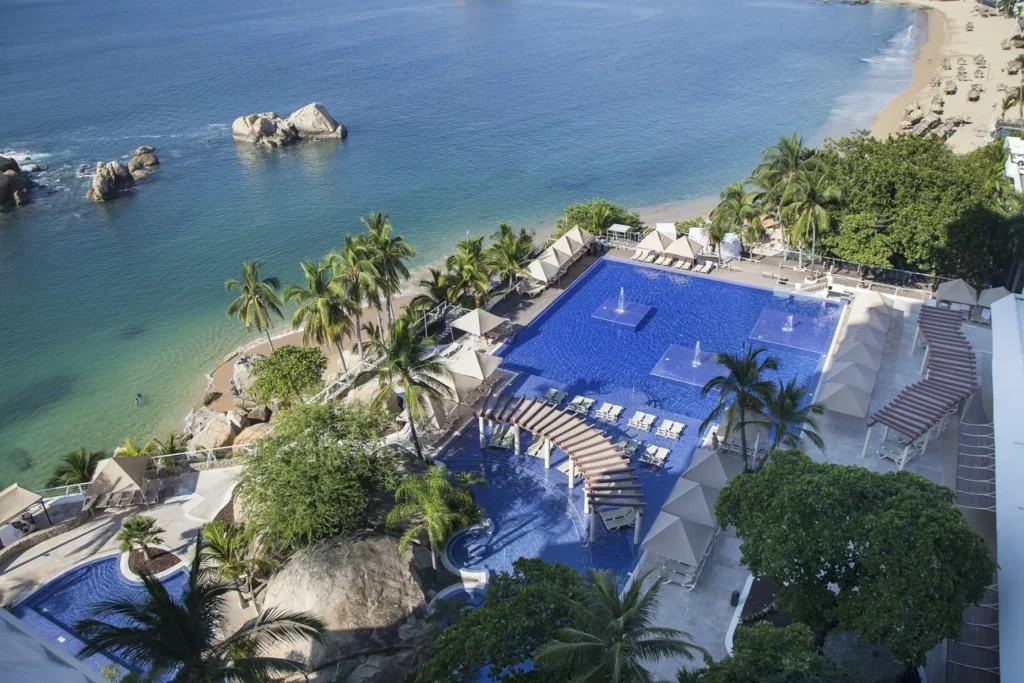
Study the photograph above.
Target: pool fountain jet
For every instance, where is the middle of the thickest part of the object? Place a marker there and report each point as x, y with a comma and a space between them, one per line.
788, 327
621, 307
696, 356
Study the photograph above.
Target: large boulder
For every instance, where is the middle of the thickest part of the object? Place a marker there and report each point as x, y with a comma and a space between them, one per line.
15, 184
314, 121
243, 376
210, 429
9, 164
370, 600
142, 159
252, 434
109, 181
267, 129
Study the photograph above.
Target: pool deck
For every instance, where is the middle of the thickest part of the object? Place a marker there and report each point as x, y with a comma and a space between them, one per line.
97, 537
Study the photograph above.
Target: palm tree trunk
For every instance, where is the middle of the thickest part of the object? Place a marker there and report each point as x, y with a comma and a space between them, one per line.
269, 340
391, 311
359, 336
433, 558
415, 438
743, 439
380, 321
241, 599
341, 357
145, 552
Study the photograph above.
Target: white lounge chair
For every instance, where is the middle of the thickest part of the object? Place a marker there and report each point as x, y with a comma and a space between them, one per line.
618, 518
628, 446
553, 396
536, 448
671, 429
664, 261
580, 405
497, 435
650, 258
638, 254
609, 412
655, 455
642, 420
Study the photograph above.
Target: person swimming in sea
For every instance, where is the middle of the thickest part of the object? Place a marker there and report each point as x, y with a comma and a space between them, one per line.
138, 397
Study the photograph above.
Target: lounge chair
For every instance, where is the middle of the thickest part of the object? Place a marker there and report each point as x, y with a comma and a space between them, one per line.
609, 412
618, 518
655, 455
643, 421
783, 282
497, 435
664, 261
536, 448
638, 254
553, 396
564, 469
628, 446
650, 258
671, 429
580, 405
508, 439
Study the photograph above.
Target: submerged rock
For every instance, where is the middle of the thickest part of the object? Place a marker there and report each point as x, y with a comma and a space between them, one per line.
311, 122
109, 181
370, 600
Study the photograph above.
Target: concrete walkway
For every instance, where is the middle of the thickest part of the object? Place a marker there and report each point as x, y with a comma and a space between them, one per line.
97, 537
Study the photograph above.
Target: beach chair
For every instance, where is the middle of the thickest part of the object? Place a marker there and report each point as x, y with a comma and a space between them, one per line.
508, 439
663, 428
671, 429
783, 282
628, 446
619, 518
580, 405
650, 258
637, 419
638, 254
654, 455
497, 435
553, 396
612, 414
564, 469
536, 448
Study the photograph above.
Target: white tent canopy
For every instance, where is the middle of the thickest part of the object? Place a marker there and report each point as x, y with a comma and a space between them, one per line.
700, 235
620, 229
852, 374
667, 229
685, 247
731, 247
714, 469
478, 322
859, 353
542, 270
554, 257
473, 364
578, 234
692, 501
655, 241
866, 334
564, 247
844, 398
678, 539
987, 297
958, 292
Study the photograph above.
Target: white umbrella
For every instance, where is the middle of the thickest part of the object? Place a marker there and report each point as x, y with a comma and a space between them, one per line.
478, 322
958, 292
555, 257
713, 469
987, 297
473, 364
692, 501
541, 270
678, 539
685, 247
578, 234
655, 241
845, 399
852, 374
564, 247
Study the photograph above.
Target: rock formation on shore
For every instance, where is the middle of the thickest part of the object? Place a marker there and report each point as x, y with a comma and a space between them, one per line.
311, 122
15, 184
370, 597
113, 178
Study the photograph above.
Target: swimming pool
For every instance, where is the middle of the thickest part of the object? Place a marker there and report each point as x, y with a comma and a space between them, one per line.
53, 609
644, 365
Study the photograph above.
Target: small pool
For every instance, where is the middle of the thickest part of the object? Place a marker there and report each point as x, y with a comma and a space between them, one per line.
53, 609
643, 366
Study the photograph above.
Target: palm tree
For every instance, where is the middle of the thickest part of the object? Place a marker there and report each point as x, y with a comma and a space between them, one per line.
600, 217
468, 272
992, 162
781, 165
76, 467
256, 300
406, 368
130, 449
139, 531
355, 276
170, 446
738, 212
436, 507
230, 549
743, 390
611, 635
789, 418
508, 255
390, 253
1014, 98
183, 636
436, 289
805, 206
323, 309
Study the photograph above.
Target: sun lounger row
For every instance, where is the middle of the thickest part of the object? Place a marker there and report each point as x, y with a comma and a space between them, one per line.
670, 429
580, 405
608, 412
642, 421
553, 396
655, 455
644, 256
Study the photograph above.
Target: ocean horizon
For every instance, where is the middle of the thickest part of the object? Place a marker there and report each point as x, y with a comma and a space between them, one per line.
460, 114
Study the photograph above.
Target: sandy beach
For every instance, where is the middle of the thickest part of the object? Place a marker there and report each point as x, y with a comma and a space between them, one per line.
948, 38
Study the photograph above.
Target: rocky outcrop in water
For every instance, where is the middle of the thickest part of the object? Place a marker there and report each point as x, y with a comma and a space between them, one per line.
312, 122
113, 178
142, 161
371, 601
15, 184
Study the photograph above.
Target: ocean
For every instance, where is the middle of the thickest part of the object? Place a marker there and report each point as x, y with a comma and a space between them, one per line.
461, 114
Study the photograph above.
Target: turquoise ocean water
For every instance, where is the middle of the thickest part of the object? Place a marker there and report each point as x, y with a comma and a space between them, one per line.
461, 114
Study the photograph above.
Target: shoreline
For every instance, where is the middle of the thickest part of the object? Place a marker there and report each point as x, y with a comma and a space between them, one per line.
948, 38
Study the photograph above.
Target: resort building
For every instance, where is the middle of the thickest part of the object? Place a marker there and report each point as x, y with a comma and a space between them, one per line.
1015, 161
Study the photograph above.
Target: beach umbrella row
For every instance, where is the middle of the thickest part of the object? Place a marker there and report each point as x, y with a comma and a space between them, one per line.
559, 256
848, 384
682, 247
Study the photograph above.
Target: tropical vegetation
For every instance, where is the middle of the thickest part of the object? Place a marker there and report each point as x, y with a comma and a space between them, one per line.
323, 311
596, 216
287, 375
257, 298
235, 555
434, 504
76, 467
886, 555
790, 417
315, 474
139, 532
182, 637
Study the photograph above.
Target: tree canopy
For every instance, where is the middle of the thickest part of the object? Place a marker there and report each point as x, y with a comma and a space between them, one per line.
287, 374
885, 555
521, 611
595, 216
315, 474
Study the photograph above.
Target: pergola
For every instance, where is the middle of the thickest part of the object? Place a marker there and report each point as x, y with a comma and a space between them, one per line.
950, 371
608, 477
14, 500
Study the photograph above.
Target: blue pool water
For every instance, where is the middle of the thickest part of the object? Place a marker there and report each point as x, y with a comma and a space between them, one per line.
531, 511
54, 608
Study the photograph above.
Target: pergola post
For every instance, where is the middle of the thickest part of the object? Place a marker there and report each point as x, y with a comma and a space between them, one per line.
927, 435
572, 473
967, 405
867, 440
917, 333
906, 452
483, 432
924, 361
547, 453
586, 502
593, 528
885, 433
515, 437
637, 524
